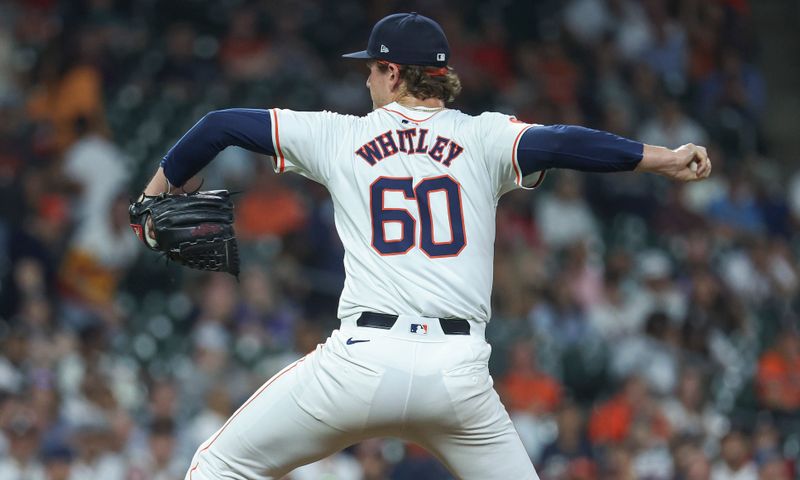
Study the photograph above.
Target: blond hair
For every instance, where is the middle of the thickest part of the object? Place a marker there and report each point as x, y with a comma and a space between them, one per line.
428, 82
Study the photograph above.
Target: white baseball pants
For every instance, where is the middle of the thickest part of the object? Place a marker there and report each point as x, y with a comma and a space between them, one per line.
428, 388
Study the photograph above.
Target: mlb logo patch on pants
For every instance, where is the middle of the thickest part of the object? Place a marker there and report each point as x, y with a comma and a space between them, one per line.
419, 328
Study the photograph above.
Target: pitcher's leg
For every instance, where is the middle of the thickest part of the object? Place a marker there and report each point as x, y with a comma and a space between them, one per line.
476, 439
269, 435
493, 454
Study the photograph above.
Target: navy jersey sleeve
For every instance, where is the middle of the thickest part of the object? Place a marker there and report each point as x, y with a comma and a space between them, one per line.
243, 127
576, 148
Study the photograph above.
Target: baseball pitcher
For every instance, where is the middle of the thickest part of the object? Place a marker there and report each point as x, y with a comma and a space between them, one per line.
415, 186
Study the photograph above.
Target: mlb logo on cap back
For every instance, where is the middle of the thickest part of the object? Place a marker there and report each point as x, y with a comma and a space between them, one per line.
407, 39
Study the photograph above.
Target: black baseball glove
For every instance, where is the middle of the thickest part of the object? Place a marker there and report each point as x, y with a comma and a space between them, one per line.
194, 229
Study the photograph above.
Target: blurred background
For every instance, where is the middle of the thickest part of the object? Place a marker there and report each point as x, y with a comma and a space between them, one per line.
642, 329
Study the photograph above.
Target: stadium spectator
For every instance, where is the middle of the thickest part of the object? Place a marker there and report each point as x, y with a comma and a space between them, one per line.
652, 356
371, 457
735, 462
162, 400
159, 461
660, 292
182, 70
667, 54
260, 317
631, 27
778, 374
736, 85
419, 464
774, 468
23, 440
571, 450
560, 320
245, 52
216, 409
57, 460
525, 388
737, 211
95, 458
583, 273
341, 465
287, 215
690, 414
714, 314
619, 313
13, 356
93, 156
70, 88
699, 468
529, 394
563, 216
689, 460
619, 464
97, 258
588, 20
612, 421
671, 127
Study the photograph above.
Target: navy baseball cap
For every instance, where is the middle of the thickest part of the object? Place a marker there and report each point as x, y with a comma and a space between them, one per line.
407, 39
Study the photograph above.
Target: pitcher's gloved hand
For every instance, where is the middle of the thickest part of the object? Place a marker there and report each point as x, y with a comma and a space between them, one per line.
194, 229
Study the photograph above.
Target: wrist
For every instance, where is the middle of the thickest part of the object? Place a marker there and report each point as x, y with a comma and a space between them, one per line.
654, 158
158, 185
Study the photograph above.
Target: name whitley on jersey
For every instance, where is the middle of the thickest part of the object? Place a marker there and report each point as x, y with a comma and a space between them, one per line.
410, 141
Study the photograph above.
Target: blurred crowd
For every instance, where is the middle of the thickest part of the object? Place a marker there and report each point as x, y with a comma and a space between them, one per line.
641, 329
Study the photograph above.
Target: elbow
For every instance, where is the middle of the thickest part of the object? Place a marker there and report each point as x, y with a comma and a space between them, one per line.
213, 128
213, 120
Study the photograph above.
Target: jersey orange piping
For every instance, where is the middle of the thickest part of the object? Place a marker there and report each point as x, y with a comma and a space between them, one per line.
281, 158
409, 118
514, 156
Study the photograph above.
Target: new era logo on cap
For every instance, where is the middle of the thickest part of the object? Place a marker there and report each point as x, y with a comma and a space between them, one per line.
384, 49
440, 57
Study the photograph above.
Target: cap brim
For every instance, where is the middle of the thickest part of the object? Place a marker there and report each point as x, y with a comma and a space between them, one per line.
362, 54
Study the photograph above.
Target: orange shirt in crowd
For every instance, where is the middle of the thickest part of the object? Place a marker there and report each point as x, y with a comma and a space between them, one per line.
79, 93
274, 212
536, 392
83, 277
778, 381
612, 420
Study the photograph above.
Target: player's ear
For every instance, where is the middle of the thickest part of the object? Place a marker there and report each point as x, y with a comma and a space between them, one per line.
394, 75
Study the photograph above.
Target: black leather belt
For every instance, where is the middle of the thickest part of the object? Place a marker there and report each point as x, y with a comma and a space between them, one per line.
450, 326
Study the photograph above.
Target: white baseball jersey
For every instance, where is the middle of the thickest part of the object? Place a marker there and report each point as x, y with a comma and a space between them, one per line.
415, 192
